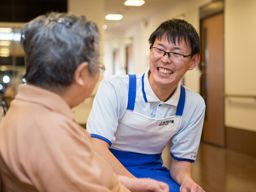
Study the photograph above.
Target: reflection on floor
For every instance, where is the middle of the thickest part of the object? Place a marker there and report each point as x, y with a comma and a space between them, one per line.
222, 170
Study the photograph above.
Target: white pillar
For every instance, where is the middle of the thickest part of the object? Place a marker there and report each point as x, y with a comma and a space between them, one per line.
94, 10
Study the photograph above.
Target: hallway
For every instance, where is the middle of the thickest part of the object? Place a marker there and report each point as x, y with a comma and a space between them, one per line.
223, 170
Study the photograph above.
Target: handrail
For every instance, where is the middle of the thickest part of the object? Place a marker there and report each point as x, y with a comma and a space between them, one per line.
241, 96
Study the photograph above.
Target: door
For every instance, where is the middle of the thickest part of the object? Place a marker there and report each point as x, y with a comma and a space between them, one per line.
212, 78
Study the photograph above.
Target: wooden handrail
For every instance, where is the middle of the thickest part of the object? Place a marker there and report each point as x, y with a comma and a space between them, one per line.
241, 96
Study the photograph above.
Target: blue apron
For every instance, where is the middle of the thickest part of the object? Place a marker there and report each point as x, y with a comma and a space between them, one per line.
149, 163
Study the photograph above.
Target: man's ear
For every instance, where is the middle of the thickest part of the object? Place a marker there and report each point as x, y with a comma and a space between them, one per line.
80, 72
195, 61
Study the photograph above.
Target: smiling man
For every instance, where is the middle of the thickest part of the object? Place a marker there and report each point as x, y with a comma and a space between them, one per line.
135, 116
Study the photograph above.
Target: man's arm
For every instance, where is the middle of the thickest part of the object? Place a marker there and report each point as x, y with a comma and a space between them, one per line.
108, 106
181, 171
103, 149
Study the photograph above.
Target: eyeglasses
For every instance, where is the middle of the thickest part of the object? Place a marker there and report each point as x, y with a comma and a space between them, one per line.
161, 53
101, 68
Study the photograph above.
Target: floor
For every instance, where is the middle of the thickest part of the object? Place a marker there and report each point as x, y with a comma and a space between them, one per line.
222, 170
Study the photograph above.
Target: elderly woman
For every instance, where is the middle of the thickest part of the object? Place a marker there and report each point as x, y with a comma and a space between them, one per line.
42, 148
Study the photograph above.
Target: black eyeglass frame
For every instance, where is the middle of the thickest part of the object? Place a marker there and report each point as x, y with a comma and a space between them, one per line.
101, 67
168, 53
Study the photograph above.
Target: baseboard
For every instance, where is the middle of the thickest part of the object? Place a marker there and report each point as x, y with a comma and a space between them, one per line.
241, 140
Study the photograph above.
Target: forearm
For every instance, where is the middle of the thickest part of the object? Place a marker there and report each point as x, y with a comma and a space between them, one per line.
115, 164
102, 149
181, 171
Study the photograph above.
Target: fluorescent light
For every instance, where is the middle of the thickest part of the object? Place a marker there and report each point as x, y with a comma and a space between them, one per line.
5, 43
4, 52
9, 36
114, 17
5, 30
134, 3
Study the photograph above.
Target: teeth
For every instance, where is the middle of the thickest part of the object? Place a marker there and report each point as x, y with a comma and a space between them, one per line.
165, 71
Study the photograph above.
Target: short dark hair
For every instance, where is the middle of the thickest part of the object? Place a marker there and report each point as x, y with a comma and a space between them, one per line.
55, 44
176, 30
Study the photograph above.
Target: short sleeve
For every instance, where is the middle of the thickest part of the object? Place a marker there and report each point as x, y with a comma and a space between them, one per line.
109, 106
185, 143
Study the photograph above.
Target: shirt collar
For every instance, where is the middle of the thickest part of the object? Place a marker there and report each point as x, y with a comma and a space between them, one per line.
44, 97
151, 97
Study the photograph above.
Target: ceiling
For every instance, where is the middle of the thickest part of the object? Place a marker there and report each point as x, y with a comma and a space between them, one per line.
25, 10
132, 14
151, 7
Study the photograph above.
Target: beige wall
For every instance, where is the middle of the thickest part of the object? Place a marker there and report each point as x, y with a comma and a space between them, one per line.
240, 57
93, 10
240, 41
139, 33
240, 63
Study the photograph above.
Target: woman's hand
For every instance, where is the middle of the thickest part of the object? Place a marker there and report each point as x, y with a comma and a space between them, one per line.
143, 184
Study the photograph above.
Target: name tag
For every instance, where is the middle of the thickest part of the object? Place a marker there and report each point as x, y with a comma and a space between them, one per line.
167, 122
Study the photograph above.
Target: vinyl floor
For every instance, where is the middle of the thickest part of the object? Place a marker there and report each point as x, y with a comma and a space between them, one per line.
223, 170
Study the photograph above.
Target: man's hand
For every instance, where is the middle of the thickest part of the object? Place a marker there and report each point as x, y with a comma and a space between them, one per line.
181, 173
143, 184
189, 185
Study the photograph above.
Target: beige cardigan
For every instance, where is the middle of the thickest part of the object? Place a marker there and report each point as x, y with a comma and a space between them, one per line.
43, 149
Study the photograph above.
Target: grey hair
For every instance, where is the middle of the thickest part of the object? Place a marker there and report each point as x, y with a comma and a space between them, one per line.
55, 44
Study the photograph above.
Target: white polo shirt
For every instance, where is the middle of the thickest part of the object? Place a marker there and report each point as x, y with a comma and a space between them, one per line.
110, 105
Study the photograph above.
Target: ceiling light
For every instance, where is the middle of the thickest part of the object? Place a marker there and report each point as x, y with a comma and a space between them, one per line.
114, 17
134, 3
6, 79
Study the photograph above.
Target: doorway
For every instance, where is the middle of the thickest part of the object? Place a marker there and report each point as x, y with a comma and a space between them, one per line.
212, 78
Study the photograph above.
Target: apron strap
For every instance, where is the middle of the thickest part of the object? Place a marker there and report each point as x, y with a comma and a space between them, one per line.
132, 95
131, 92
143, 89
181, 103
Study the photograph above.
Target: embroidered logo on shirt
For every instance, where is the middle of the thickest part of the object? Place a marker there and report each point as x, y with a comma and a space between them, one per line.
193, 155
164, 123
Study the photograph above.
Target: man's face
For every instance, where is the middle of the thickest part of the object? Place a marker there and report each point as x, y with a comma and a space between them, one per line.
167, 69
